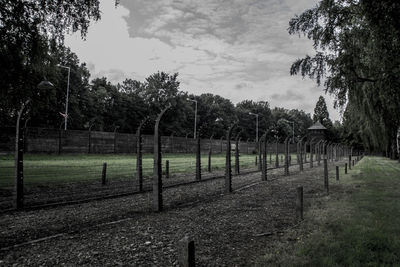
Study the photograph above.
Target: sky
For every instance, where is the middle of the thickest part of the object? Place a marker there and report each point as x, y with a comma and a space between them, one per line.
238, 49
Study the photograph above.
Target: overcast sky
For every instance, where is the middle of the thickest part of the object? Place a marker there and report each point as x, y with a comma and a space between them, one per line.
239, 49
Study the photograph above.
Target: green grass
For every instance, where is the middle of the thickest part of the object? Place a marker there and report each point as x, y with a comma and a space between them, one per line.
48, 168
359, 229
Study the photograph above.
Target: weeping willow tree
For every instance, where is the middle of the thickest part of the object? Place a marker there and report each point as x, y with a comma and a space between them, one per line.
357, 58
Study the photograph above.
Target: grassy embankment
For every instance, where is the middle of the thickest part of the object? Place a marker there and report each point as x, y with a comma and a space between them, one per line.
356, 225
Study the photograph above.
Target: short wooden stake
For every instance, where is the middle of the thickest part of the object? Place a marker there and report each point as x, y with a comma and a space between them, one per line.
256, 161
326, 180
167, 169
299, 203
337, 173
186, 252
353, 162
104, 174
345, 168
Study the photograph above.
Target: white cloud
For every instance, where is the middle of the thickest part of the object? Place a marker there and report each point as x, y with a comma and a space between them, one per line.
222, 47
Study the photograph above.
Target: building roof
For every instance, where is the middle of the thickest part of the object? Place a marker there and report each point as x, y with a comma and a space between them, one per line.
317, 126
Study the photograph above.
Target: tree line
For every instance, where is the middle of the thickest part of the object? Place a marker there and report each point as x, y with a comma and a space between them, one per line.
32, 50
357, 58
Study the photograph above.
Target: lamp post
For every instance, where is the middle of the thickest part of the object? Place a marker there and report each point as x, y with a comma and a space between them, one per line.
67, 98
19, 151
254, 114
195, 116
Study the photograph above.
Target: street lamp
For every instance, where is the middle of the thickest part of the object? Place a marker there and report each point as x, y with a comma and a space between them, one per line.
251, 113
67, 99
195, 116
19, 151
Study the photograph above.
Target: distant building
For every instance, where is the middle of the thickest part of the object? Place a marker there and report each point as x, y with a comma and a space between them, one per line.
317, 131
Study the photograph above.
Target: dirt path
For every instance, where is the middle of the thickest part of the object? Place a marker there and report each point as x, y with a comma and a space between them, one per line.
228, 229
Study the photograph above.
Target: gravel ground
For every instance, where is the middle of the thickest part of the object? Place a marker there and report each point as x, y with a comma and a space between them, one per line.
228, 229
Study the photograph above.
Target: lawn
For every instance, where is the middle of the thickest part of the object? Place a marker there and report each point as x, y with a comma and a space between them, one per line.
48, 168
357, 226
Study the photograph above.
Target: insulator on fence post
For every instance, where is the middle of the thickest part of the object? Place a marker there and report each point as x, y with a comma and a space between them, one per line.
104, 174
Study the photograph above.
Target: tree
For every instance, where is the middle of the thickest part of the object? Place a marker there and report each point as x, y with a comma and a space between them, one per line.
29, 33
321, 113
357, 54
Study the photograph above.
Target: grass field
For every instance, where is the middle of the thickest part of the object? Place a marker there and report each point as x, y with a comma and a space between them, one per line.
359, 226
45, 168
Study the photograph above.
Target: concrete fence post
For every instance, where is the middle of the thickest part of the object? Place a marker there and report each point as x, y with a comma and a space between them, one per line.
198, 157
237, 162
287, 140
167, 169
349, 162
186, 252
139, 154
264, 158
228, 164
337, 173
276, 154
157, 171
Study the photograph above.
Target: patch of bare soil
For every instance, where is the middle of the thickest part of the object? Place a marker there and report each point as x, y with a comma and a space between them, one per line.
228, 229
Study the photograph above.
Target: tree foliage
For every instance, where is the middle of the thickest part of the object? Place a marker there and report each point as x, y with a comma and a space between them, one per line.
358, 58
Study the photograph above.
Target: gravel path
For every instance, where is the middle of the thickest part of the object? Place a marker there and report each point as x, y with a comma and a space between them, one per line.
228, 229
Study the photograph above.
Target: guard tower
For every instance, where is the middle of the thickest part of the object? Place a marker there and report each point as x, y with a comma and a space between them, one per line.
317, 131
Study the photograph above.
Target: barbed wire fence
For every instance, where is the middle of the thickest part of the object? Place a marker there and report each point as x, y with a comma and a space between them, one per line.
180, 161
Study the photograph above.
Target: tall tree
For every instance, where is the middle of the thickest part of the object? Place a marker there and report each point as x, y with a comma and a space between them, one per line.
321, 113
358, 56
27, 29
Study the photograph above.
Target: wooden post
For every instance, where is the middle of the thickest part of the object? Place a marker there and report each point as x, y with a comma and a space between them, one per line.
167, 169
255, 161
353, 162
326, 180
186, 252
259, 155
337, 173
299, 203
345, 168
104, 174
